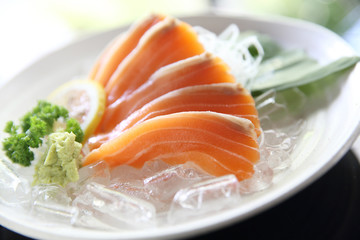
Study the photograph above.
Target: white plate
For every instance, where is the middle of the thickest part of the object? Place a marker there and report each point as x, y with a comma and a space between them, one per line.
331, 129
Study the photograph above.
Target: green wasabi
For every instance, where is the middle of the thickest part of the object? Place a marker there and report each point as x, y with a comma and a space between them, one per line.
61, 162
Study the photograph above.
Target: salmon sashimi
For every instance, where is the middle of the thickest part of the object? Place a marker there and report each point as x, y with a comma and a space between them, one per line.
227, 98
198, 70
100, 62
166, 42
218, 143
119, 48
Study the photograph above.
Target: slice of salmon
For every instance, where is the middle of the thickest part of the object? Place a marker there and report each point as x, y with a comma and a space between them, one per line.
227, 98
120, 47
218, 143
107, 52
166, 42
197, 70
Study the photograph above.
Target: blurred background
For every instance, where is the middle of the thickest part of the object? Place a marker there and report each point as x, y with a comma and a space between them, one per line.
30, 29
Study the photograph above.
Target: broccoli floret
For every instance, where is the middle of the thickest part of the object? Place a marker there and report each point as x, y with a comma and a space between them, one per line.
11, 128
72, 125
17, 149
46, 112
34, 126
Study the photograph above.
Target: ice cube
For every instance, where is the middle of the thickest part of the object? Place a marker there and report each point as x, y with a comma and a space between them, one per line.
129, 180
261, 179
274, 138
267, 105
266, 123
129, 173
98, 172
280, 108
113, 209
14, 189
204, 197
278, 143
126, 172
131, 187
296, 128
51, 202
277, 159
163, 185
150, 168
281, 130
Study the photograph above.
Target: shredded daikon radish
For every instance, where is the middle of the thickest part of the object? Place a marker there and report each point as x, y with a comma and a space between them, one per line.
234, 51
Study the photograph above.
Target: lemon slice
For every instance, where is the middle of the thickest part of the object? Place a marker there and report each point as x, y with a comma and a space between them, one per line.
85, 101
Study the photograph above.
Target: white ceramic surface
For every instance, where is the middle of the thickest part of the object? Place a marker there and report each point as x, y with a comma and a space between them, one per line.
330, 129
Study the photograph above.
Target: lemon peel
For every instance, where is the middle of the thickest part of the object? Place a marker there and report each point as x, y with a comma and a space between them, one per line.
85, 100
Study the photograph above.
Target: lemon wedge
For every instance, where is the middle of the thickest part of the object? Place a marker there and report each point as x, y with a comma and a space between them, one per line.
85, 101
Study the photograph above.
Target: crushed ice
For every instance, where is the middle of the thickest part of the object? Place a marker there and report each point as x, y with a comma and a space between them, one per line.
157, 194
14, 189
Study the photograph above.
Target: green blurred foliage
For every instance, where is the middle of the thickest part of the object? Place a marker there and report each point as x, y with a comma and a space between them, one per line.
329, 13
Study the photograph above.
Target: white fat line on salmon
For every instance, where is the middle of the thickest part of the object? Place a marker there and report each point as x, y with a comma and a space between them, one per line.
221, 138
238, 123
245, 161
